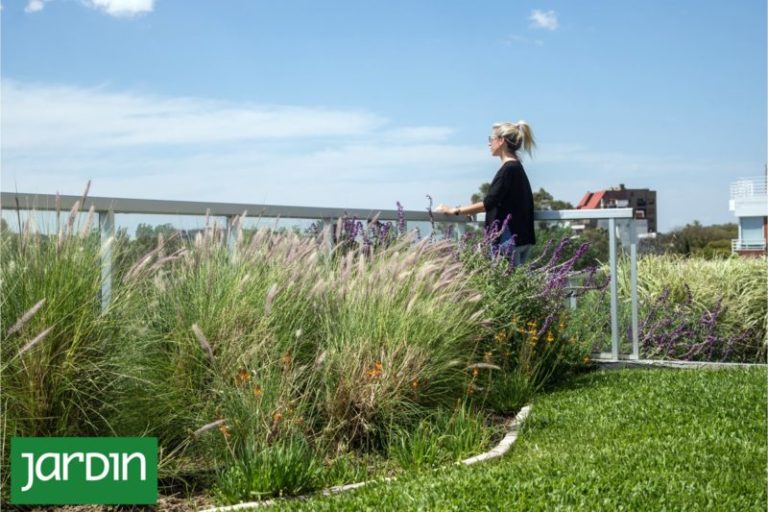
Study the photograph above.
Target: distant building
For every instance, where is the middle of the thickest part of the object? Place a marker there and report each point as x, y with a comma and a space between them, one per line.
641, 200
749, 202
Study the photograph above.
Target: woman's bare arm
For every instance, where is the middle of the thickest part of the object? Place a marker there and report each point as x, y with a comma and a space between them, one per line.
462, 210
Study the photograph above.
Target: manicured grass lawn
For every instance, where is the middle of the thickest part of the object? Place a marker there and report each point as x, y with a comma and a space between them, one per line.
620, 440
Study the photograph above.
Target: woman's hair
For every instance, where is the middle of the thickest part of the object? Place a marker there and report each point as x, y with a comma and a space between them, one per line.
516, 135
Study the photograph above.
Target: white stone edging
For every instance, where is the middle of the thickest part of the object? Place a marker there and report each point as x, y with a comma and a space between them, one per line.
497, 451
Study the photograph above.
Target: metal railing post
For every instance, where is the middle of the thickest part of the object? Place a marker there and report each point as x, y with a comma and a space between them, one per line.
231, 236
461, 229
614, 289
107, 238
633, 287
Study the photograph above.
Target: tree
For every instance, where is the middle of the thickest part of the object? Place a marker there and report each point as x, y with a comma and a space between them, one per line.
478, 196
698, 240
543, 200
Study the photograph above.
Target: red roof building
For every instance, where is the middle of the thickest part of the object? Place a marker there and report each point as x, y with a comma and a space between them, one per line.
641, 200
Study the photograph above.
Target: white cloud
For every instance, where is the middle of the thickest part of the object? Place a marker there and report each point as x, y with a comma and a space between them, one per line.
61, 116
122, 8
546, 20
34, 6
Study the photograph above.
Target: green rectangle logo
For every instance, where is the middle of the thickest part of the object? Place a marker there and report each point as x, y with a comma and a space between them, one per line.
83, 470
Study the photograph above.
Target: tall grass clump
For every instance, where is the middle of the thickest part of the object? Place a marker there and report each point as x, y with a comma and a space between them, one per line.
54, 335
293, 349
701, 309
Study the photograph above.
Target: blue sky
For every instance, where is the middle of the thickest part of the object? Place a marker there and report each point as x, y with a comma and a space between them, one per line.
362, 104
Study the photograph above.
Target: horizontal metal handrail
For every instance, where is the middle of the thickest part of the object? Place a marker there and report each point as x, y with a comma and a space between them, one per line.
49, 202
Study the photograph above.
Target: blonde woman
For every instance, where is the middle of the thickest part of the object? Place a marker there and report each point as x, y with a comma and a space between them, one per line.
509, 202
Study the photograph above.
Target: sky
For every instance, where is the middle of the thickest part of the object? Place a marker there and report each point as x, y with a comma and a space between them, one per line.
362, 104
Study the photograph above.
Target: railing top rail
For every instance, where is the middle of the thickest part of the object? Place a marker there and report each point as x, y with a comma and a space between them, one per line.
749, 187
25, 201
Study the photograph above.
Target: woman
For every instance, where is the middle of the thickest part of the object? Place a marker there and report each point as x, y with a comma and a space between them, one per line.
509, 201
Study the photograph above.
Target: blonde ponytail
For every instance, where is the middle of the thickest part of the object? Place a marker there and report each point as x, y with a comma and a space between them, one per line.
516, 135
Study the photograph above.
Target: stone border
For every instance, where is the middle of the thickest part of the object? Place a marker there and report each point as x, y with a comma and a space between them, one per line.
612, 364
500, 449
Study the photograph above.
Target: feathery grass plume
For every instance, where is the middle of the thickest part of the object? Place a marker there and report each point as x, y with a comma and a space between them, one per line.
25, 318
162, 261
136, 269
160, 246
85, 192
270, 297
339, 226
486, 366
37, 339
411, 303
318, 288
60, 240
71, 220
208, 426
201, 339
239, 230
88, 221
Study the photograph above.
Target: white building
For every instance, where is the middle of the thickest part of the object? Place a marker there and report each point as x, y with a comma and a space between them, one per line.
749, 202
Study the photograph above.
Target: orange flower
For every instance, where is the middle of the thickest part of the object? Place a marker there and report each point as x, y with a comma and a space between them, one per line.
501, 336
276, 417
242, 376
286, 359
475, 372
488, 357
376, 370
257, 391
415, 383
225, 431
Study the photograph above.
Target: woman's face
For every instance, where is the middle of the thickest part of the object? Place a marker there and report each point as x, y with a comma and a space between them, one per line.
495, 144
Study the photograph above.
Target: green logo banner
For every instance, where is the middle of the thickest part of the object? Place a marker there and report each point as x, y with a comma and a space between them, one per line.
83, 470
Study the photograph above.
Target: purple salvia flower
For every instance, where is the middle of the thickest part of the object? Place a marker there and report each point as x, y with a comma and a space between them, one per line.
400, 219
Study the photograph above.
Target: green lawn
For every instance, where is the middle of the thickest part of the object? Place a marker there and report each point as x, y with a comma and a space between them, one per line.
621, 440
